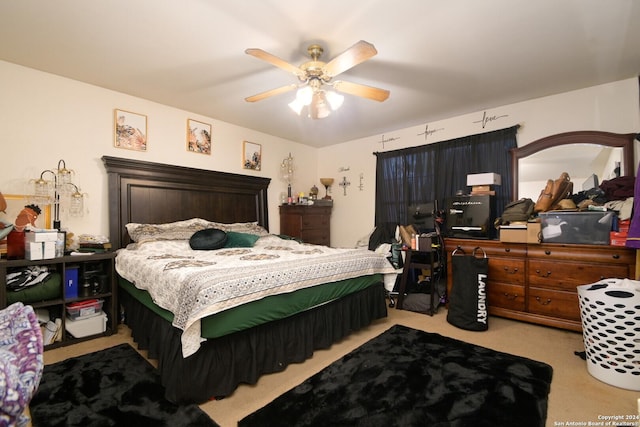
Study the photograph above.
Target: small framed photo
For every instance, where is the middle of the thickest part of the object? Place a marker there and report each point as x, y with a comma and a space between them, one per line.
251, 156
130, 130
198, 137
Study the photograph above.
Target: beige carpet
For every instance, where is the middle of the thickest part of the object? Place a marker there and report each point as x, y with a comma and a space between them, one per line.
576, 397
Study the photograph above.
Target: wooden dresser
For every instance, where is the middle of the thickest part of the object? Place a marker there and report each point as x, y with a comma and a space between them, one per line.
537, 282
311, 224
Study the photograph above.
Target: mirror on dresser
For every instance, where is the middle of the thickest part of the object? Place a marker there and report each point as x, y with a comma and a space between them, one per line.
579, 153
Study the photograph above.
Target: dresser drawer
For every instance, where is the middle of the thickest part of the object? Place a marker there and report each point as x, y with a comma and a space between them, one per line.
511, 297
557, 304
567, 275
507, 270
489, 247
583, 253
315, 221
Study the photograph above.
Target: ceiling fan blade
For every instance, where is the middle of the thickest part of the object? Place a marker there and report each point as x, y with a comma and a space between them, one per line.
271, 92
274, 60
361, 90
351, 57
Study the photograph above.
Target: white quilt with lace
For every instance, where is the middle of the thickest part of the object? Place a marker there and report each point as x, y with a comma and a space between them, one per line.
195, 284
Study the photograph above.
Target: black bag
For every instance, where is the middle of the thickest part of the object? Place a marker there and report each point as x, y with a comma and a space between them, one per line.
396, 256
468, 307
520, 210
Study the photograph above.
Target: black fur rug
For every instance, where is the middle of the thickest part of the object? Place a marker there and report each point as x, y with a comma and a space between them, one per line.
405, 377
111, 387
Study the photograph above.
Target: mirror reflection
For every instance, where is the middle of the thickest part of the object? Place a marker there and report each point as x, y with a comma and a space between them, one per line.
586, 164
584, 155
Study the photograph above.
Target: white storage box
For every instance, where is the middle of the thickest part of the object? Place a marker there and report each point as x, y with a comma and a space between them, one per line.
39, 250
33, 250
82, 309
483, 179
48, 250
87, 326
41, 236
609, 310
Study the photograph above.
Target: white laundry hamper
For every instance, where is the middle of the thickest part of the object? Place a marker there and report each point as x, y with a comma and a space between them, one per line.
610, 314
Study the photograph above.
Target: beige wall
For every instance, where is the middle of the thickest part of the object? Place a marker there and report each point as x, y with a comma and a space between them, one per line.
611, 107
45, 118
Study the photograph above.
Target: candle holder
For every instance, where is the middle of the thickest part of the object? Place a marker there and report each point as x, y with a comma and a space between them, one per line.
327, 182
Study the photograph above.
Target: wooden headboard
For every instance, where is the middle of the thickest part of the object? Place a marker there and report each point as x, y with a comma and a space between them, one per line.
155, 193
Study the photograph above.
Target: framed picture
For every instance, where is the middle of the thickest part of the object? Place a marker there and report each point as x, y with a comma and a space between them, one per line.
198, 137
251, 156
15, 204
130, 130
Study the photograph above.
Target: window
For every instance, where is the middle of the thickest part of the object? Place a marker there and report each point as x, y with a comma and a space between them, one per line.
433, 172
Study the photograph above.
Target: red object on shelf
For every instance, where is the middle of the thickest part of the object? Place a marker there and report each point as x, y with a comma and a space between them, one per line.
15, 245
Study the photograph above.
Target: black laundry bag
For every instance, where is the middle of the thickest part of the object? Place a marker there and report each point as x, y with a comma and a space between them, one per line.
468, 306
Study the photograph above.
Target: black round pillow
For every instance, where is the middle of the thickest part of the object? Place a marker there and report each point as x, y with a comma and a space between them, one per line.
208, 239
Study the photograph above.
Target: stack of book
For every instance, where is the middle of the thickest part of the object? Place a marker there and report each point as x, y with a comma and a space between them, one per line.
481, 183
479, 190
90, 243
94, 247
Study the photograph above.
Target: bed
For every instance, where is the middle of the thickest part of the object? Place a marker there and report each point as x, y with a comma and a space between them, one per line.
233, 343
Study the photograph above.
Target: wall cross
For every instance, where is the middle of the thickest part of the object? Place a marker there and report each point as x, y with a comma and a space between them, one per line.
344, 183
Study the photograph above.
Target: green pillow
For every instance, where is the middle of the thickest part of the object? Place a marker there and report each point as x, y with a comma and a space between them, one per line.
47, 290
240, 240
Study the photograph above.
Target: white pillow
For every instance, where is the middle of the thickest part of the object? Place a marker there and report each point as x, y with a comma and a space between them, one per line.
179, 230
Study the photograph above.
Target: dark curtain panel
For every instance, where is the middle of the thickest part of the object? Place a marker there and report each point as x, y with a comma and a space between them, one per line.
436, 171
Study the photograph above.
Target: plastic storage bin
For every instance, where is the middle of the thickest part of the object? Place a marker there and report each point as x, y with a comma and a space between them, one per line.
82, 309
87, 326
610, 314
587, 228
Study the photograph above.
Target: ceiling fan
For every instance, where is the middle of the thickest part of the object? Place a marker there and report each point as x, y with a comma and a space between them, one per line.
316, 79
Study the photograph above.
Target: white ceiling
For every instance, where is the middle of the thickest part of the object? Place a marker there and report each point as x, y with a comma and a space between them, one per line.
438, 58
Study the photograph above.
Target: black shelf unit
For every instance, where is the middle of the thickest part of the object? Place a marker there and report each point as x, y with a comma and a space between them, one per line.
104, 261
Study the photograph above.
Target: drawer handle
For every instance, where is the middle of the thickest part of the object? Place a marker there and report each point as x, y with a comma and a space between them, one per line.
616, 256
513, 271
507, 250
547, 252
547, 302
511, 297
543, 275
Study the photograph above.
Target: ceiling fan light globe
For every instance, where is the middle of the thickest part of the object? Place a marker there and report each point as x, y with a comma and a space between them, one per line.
296, 106
305, 95
335, 100
323, 112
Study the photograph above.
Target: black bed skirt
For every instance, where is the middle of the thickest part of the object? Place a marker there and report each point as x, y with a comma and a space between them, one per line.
221, 364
